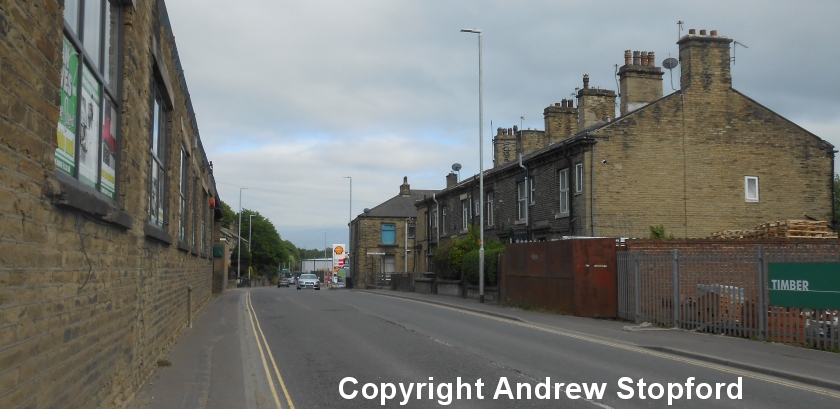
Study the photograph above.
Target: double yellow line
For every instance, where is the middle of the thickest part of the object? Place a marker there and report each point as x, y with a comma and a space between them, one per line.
261, 342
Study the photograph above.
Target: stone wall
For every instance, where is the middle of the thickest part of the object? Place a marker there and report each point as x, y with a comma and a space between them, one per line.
90, 298
367, 238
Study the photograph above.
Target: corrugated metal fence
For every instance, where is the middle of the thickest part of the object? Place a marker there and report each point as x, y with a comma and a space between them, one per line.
722, 291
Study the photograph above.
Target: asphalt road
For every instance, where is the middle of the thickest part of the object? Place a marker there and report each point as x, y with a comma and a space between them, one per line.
316, 339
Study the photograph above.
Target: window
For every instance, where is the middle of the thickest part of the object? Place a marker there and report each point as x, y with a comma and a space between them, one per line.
579, 178
751, 188
389, 265
182, 221
563, 175
533, 191
435, 223
490, 209
522, 193
411, 230
87, 131
194, 214
465, 214
389, 233
156, 182
202, 206
477, 209
443, 219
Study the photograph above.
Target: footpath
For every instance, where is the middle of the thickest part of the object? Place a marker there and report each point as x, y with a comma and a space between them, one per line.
808, 366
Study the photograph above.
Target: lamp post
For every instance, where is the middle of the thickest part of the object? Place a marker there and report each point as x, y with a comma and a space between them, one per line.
250, 217
480, 170
350, 224
239, 238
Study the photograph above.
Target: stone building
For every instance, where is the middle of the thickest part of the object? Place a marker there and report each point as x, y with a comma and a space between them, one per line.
702, 159
108, 207
383, 238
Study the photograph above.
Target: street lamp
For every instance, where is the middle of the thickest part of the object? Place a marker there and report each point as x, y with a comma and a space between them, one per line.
250, 217
480, 171
350, 224
239, 238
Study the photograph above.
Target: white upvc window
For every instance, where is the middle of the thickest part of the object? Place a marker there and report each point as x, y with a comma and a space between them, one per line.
465, 213
578, 178
563, 175
521, 197
751, 188
533, 190
489, 214
443, 219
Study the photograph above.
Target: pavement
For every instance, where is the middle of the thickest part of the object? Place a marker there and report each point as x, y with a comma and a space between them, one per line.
212, 362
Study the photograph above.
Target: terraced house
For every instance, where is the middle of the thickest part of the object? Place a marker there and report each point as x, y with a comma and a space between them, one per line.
702, 159
108, 206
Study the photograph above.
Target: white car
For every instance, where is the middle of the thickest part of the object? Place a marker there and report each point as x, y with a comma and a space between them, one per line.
308, 281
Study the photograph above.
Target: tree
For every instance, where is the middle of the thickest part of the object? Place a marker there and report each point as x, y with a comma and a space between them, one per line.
229, 215
267, 250
837, 201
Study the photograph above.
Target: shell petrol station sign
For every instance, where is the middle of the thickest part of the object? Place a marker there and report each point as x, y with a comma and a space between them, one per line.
341, 260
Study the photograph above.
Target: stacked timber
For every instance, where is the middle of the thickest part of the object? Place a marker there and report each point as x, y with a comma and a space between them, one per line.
799, 229
782, 229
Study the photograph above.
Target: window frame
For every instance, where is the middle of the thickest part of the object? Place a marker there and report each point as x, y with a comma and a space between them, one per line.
489, 215
533, 191
412, 230
747, 197
443, 219
578, 178
104, 72
157, 156
465, 213
521, 198
563, 190
382, 231
182, 192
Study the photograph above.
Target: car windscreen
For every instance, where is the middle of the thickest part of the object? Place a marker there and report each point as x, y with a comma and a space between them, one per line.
310, 276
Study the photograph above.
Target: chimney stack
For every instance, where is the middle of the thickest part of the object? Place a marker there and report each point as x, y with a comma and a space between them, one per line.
405, 188
594, 104
640, 84
705, 61
451, 179
561, 121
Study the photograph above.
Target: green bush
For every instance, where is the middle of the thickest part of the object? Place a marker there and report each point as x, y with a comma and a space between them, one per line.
469, 266
449, 255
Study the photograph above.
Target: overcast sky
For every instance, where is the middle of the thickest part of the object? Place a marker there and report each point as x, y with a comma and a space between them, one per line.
291, 96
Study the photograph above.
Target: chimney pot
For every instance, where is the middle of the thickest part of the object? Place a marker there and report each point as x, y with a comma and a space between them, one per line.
692, 31
714, 33
585, 81
637, 59
702, 32
627, 57
644, 58
651, 59
557, 104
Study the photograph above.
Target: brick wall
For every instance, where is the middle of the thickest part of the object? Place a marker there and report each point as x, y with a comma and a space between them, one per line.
89, 301
367, 238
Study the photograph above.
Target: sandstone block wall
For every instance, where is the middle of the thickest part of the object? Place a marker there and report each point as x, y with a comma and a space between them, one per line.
88, 300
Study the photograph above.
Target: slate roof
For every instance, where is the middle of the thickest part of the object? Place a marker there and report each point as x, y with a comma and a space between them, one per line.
399, 206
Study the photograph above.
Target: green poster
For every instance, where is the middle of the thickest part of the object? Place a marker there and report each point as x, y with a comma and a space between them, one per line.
66, 134
89, 129
804, 285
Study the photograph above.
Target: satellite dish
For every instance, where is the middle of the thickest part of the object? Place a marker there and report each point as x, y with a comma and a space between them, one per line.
670, 63
456, 167
367, 210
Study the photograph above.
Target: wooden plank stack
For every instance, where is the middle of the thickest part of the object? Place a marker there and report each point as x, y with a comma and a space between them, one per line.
795, 229
784, 229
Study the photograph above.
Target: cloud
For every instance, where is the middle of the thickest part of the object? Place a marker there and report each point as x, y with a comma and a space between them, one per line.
293, 95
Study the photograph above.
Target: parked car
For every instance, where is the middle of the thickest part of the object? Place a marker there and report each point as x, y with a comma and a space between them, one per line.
283, 282
308, 281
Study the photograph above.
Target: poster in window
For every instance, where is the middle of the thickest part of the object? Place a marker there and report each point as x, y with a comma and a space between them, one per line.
66, 134
109, 149
89, 129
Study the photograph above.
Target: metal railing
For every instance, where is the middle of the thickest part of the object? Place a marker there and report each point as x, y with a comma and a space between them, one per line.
722, 291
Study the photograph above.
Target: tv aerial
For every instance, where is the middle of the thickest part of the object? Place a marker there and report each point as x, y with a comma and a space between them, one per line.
735, 47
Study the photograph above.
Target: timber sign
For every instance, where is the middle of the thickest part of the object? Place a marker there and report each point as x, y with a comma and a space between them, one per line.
804, 285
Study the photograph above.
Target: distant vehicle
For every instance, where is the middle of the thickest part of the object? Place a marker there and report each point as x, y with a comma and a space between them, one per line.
308, 281
283, 282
